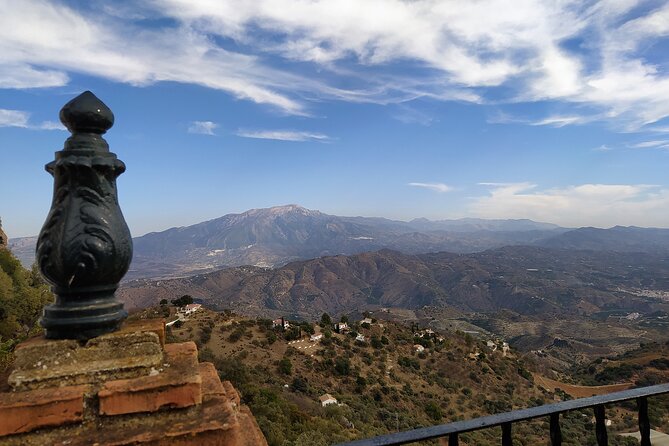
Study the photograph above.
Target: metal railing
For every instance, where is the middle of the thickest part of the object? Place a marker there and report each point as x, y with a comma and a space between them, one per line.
553, 411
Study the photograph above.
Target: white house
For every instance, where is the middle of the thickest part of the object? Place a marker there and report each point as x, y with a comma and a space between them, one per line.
327, 399
366, 321
419, 348
189, 309
281, 322
341, 327
360, 338
316, 337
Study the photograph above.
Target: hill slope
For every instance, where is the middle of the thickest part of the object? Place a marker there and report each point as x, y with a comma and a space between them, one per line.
381, 384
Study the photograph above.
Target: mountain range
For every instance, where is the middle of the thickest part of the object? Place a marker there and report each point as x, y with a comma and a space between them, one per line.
526, 280
275, 236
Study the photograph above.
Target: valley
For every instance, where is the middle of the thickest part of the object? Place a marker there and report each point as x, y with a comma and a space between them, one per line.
570, 305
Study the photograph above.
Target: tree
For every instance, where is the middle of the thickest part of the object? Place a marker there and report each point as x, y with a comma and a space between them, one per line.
182, 301
293, 333
433, 411
326, 320
285, 366
307, 327
342, 366
163, 302
344, 319
299, 384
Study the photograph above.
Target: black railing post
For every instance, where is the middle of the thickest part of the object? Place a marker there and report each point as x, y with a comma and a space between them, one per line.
506, 435
84, 248
600, 426
556, 433
453, 440
644, 421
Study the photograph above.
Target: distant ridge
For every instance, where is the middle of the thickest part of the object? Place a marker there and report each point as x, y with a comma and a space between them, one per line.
272, 237
617, 239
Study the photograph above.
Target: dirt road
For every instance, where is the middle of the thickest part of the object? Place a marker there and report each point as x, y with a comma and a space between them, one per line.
578, 391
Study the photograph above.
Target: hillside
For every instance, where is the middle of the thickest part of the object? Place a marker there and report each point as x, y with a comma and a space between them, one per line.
381, 384
23, 293
526, 280
527, 295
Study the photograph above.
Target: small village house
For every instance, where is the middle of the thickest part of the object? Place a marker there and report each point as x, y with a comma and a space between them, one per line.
327, 399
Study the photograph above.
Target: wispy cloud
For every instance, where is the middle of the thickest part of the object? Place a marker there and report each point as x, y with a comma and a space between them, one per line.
552, 121
21, 119
283, 135
437, 187
600, 205
560, 121
202, 127
410, 115
659, 144
603, 148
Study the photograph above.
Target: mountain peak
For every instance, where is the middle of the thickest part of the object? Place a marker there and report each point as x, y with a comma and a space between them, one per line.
283, 210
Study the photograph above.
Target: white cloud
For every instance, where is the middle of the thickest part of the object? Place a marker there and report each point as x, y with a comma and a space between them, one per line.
202, 127
603, 148
13, 118
560, 121
51, 125
601, 205
659, 144
21, 119
552, 120
448, 50
437, 187
283, 135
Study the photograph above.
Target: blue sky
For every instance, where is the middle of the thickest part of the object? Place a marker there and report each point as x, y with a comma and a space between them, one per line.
555, 111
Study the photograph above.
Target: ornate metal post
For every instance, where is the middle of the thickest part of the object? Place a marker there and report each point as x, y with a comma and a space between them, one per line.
84, 247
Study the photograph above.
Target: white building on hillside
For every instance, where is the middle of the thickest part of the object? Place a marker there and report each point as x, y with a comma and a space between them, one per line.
327, 399
341, 327
281, 322
189, 309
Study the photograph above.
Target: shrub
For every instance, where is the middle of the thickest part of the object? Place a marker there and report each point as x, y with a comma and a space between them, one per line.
285, 366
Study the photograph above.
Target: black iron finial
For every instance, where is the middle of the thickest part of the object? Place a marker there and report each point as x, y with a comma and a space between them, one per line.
87, 114
84, 248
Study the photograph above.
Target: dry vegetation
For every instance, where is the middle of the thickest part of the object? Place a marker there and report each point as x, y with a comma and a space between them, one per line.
382, 385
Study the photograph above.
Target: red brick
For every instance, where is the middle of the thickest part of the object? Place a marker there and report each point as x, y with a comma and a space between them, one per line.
26, 411
178, 385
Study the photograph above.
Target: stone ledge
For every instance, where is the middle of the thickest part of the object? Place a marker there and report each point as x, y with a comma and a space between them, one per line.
178, 385
33, 409
133, 351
